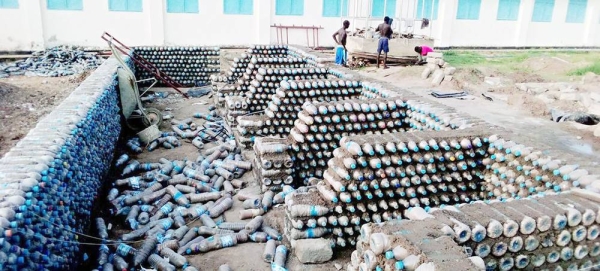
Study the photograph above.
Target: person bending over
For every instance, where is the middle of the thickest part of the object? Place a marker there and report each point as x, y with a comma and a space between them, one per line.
385, 32
423, 51
341, 54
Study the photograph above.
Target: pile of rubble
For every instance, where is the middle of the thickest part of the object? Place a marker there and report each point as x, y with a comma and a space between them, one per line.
54, 62
437, 69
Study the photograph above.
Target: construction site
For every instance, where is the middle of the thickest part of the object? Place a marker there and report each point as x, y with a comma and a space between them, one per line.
124, 150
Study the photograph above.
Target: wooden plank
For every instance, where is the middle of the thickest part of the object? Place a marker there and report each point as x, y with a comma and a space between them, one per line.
390, 59
14, 56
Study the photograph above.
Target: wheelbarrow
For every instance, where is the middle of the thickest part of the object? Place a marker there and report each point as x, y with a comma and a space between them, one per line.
136, 116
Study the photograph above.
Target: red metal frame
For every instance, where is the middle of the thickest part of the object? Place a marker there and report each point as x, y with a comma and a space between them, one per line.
315, 31
143, 63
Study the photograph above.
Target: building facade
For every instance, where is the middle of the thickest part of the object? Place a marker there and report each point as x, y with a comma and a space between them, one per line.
36, 24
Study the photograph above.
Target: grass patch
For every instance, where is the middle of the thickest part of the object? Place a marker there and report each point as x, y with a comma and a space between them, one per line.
463, 58
595, 68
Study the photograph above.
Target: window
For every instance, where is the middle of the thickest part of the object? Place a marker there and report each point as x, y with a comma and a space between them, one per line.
508, 10
182, 6
9, 3
424, 9
468, 9
380, 5
65, 4
576, 11
289, 7
125, 5
542, 11
243, 7
335, 8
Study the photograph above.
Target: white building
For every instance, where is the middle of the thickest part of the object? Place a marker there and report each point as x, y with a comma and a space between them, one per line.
35, 24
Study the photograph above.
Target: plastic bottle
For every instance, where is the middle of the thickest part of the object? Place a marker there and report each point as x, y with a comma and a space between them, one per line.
269, 252
145, 250
280, 257
160, 264
174, 258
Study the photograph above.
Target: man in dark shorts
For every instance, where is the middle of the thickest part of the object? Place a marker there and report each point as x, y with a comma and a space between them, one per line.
340, 50
385, 32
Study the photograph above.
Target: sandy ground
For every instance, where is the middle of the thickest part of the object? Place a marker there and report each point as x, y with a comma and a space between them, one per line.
510, 109
247, 256
25, 100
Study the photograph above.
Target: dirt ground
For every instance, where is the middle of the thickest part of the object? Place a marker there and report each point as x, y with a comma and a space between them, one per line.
247, 256
25, 100
509, 104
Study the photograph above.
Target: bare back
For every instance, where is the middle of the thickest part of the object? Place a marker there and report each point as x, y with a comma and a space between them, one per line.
385, 30
342, 35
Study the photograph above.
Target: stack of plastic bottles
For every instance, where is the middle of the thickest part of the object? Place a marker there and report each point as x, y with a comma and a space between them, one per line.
242, 69
189, 66
283, 107
236, 106
273, 163
551, 232
320, 126
309, 216
267, 82
518, 171
51, 177
374, 178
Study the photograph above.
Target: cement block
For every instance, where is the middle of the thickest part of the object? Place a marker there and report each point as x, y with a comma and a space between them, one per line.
448, 78
435, 55
498, 81
595, 96
597, 131
594, 109
426, 73
313, 250
441, 62
567, 88
438, 77
569, 96
432, 66
449, 70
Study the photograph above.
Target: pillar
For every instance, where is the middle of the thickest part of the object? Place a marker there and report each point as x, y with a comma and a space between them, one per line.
592, 19
156, 21
523, 22
36, 27
446, 18
262, 16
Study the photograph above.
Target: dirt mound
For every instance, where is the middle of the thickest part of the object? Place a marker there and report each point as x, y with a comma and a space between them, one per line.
523, 77
24, 100
549, 65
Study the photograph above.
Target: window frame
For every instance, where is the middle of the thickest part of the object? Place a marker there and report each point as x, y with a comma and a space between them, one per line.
571, 12
68, 5
472, 14
195, 7
239, 7
344, 7
539, 4
127, 8
388, 10
293, 5
424, 8
509, 6
9, 4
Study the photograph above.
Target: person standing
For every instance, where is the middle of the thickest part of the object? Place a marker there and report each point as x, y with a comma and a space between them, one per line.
341, 54
423, 51
385, 34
